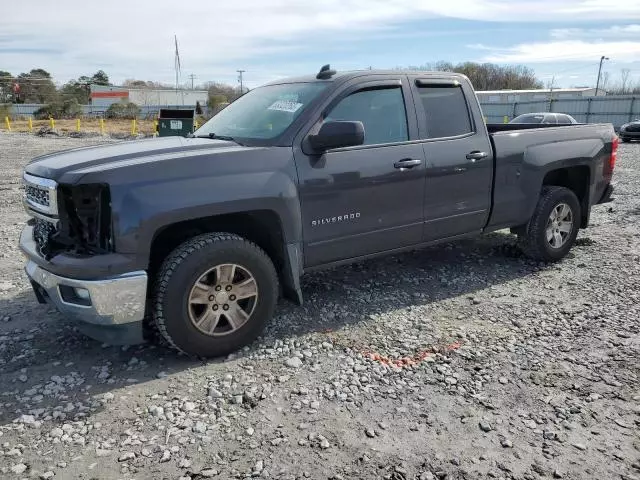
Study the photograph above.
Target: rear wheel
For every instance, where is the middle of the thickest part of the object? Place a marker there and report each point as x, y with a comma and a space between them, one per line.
553, 228
214, 294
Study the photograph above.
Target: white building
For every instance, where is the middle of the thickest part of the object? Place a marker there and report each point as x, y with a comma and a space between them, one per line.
107, 95
511, 96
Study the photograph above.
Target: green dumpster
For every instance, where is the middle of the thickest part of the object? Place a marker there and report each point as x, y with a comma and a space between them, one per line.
174, 122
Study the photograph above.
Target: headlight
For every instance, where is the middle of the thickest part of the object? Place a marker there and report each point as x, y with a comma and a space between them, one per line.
85, 212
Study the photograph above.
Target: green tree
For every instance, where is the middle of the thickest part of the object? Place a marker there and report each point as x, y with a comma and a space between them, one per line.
229, 92
488, 76
6, 87
36, 87
78, 90
100, 78
217, 99
123, 110
133, 83
66, 109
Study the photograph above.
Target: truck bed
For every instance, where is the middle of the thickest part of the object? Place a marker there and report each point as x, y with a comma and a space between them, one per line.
524, 155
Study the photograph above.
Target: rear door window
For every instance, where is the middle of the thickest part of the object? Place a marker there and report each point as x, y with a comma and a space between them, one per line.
446, 110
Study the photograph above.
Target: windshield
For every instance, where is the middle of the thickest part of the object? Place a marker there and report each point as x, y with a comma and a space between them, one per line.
262, 113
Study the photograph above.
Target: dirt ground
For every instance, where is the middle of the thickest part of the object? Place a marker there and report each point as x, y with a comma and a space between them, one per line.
463, 361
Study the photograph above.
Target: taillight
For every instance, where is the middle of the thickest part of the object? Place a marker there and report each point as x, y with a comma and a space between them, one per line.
614, 153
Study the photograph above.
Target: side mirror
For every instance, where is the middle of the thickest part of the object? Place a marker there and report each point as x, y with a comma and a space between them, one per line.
337, 134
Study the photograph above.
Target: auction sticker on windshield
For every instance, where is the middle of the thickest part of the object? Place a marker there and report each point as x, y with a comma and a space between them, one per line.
285, 106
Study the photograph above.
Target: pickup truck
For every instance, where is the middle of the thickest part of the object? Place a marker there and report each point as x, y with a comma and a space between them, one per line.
195, 238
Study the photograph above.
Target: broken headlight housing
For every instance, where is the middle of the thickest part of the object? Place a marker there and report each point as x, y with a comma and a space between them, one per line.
84, 225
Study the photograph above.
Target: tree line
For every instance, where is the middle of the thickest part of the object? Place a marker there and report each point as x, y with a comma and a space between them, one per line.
488, 76
624, 85
37, 85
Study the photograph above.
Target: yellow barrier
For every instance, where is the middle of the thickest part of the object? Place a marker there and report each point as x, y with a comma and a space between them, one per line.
196, 124
8, 123
133, 127
30, 124
102, 126
77, 125
506, 119
52, 122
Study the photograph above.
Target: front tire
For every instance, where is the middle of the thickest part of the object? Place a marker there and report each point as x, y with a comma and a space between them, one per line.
553, 228
214, 294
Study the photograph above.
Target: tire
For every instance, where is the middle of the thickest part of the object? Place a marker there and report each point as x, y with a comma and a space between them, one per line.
624, 140
178, 303
533, 240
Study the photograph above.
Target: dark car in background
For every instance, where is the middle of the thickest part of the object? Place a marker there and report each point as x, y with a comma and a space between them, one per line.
546, 118
630, 131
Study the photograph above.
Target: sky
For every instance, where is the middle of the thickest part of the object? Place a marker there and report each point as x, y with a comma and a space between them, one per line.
562, 40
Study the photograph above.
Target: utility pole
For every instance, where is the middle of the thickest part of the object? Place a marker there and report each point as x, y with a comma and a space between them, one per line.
602, 59
240, 72
553, 80
192, 76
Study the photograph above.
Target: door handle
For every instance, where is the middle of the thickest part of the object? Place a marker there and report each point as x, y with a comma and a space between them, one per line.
407, 163
475, 156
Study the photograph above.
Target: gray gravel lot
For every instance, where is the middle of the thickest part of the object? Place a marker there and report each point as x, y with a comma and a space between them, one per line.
463, 361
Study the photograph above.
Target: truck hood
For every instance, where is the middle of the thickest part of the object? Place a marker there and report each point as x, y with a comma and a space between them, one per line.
62, 165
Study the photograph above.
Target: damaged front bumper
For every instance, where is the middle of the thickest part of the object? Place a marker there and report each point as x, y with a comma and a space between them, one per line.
109, 309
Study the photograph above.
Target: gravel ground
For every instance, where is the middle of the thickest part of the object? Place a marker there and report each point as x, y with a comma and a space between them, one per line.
463, 361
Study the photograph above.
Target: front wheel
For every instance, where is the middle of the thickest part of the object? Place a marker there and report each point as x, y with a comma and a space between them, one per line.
214, 294
553, 228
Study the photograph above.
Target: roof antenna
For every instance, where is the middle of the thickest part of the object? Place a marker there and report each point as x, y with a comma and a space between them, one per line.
325, 72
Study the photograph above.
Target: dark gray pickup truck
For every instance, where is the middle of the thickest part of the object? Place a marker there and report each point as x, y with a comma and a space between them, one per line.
197, 237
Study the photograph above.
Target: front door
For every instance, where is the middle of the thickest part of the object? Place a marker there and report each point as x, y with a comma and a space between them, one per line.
369, 198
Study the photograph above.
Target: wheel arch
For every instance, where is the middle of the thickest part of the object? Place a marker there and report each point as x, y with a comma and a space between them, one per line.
577, 179
262, 227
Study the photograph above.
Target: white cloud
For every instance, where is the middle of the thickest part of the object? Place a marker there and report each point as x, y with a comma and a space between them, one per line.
620, 31
568, 50
135, 38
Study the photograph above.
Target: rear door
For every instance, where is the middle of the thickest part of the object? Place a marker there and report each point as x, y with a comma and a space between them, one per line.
458, 156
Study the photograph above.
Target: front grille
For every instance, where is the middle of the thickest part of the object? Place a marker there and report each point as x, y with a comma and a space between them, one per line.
40, 195
37, 195
42, 231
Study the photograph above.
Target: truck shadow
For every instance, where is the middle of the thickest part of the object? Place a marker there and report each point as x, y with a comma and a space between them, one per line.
46, 363
350, 294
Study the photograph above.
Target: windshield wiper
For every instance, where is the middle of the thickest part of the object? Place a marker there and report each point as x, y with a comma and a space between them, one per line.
220, 137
